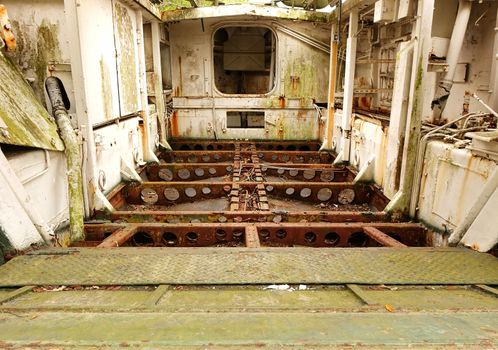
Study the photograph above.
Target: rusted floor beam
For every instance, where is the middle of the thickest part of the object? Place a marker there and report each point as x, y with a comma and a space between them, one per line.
382, 238
119, 237
252, 238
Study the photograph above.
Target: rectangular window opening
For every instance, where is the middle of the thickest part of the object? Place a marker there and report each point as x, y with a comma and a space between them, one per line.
245, 120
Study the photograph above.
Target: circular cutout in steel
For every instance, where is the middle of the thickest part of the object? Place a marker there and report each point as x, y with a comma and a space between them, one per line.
206, 158
324, 194
346, 196
332, 239
227, 188
327, 176
238, 234
149, 196
184, 174
264, 234
190, 192
198, 147
210, 147
170, 239
264, 168
222, 219
199, 172
220, 235
261, 155
212, 171
280, 171
281, 234
192, 237
206, 191
269, 188
165, 174
274, 157
192, 159
357, 239
285, 158
177, 160
217, 157
299, 159
305, 192
310, 237
293, 172
277, 218
290, 191
309, 174
229, 169
142, 239
171, 194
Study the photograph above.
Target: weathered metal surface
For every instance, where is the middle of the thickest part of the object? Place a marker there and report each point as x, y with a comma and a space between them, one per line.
236, 216
193, 145
244, 10
25, 122
265, 156
382, 238
270, 234
140, 266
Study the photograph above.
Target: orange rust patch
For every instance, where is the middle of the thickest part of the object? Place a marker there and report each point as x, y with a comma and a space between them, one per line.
175, 132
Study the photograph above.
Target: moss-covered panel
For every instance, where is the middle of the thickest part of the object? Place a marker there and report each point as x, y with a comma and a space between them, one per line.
28, 122
127, 65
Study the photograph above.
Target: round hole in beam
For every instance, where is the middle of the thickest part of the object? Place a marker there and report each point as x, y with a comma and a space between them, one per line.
192, 237
280, 147
264, 234
237, 234
304, 148
170, 239
184, 174
198, 147
165, 174
142, 239
149, 196
220, 235
305, 192
310, 237
220, 147
290, 191
299, 159
293, 172
210, 147
357, 239
281, 234
285, 158
184, 148
199, 172
190, 192
217, 157
192, 159
346, 196
206, 191
327, 176
324, 194
206, 158
332, 239
309, 174
291, 148
171, 194
212, 171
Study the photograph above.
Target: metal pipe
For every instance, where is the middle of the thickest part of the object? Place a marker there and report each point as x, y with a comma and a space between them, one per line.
456, 43
73, 158
303, 37
347, 104
493, 112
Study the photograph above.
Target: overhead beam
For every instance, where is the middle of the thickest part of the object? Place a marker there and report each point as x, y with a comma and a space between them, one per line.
244, 10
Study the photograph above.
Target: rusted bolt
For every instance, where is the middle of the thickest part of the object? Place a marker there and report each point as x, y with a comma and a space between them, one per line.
310, 237
192, 237
332, 239
170, 239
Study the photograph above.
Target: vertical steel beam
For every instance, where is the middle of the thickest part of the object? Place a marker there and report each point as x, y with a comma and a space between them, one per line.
332, 83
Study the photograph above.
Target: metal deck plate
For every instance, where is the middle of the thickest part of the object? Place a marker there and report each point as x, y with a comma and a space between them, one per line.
139, 266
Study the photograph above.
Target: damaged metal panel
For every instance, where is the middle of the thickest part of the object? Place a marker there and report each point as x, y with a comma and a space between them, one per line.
25, 122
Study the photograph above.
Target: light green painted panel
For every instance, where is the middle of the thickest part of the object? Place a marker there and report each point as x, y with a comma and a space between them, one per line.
24, 121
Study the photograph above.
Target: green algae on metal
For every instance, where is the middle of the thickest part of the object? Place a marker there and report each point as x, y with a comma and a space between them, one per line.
28, 122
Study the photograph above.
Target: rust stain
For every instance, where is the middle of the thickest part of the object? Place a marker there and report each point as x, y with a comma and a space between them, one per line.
180, 88
175, 132
6, 30
281, 101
